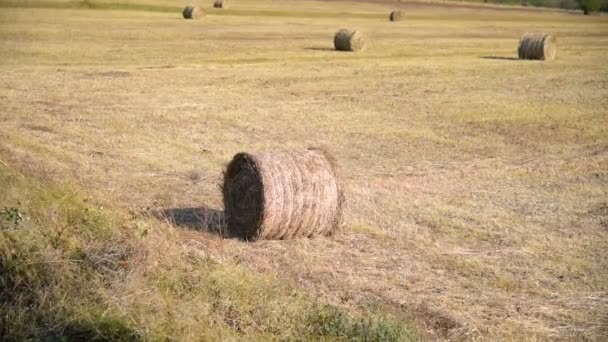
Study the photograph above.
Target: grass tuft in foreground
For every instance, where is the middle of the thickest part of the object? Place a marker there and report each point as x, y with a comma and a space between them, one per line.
71, 270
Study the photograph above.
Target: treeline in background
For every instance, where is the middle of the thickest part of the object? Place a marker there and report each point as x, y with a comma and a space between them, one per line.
587, 6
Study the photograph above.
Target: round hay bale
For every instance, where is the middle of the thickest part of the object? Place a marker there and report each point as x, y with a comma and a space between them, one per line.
349, 40
193, 12
396, 16
541, 46
219, 4
282, 195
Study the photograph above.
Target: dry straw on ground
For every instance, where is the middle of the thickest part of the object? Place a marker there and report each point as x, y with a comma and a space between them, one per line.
193, 12
542, 46
396, 16
219, 4
349, 40
282, 195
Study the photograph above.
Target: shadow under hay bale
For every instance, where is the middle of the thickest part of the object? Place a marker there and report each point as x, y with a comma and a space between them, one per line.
396, 16
319, 49
500, 58
282, 195
108, 74
538, 46
219, 4
349, 40
193, 12
201, 219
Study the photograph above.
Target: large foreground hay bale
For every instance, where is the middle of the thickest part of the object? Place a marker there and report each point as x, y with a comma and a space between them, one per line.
349, 40
219, 4
193, 12
542, 46
282, 195
396, 16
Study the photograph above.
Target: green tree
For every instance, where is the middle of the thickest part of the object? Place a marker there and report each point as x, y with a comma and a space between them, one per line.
589, 6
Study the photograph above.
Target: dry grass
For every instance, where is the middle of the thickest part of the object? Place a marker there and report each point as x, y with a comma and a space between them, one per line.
477, 183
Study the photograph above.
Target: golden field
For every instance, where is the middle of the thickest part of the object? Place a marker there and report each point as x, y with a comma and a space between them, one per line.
476, 183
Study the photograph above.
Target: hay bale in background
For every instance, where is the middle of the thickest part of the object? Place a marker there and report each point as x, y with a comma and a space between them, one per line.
193, 12
219, 4
349, 40
542, 46
396, 16
282, 195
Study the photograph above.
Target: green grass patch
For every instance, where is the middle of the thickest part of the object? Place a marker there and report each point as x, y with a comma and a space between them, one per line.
71, 270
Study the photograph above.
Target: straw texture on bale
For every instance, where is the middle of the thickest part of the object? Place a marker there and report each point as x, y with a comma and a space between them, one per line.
193, 12
541, 46
396, 16
349, 40
282, 195
219, 4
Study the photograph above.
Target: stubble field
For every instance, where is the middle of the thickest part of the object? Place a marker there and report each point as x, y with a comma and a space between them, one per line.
476, 183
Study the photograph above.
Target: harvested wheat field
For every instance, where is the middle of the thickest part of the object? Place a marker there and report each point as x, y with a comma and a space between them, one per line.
475, 183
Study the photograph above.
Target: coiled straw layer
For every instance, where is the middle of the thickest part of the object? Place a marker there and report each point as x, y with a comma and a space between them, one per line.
193, 12
395, 16
541, 46
282, 195
349, 40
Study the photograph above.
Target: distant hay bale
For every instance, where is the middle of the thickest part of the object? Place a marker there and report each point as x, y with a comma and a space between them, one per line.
396, 16
219, 4
349, 40
193, 12
541, 46
282, 195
